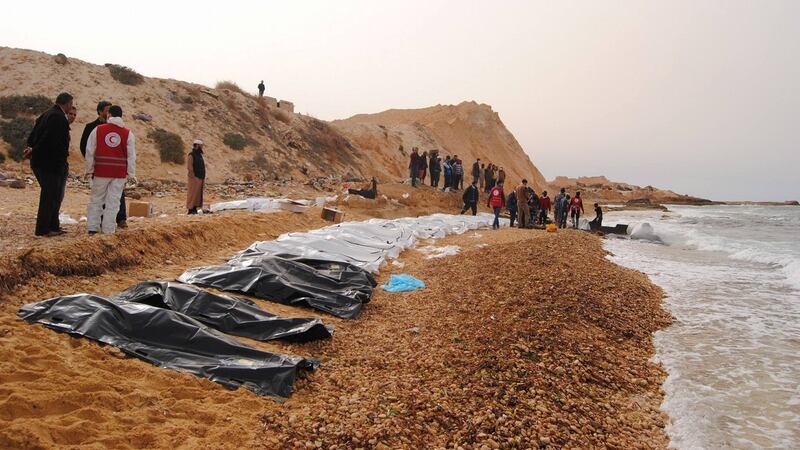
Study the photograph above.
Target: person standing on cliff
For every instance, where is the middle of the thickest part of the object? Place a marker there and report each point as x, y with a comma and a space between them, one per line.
561, 204
110, 162
471, 197
523, 210
458, 172
448, 173
261, 88
196, 177
48, 148
435, 167
496, 201
486, 176
413, 166
423, 167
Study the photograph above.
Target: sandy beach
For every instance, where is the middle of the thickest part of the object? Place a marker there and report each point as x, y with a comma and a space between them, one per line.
524, 339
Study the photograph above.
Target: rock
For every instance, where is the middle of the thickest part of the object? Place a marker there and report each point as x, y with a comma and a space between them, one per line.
144, 117
17, 184
60, 59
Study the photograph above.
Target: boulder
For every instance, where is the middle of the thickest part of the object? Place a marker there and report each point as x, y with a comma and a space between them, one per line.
144, 117
60, 59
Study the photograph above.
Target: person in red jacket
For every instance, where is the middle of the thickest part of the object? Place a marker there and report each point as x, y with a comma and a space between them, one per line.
575, 209
110, 162
496, 201
544, 208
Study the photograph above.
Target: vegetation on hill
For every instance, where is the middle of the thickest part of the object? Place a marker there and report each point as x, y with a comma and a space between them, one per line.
235, 141
23, 105
15, 132
170, 145
125, 75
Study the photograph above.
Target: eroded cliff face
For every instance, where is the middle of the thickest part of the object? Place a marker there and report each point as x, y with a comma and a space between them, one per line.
469, 130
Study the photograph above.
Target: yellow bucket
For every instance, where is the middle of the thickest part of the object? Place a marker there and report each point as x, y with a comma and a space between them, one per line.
551, 228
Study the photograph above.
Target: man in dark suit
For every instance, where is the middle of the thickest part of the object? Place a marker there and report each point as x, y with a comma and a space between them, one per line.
48, 146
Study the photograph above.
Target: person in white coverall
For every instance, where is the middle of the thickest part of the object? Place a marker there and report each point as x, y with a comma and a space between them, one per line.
111, 162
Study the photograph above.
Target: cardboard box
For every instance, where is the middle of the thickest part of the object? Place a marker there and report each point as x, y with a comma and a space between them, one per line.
332, 215
140, 209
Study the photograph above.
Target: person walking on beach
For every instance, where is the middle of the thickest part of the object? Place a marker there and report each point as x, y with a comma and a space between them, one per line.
560, 204
470, 198
512, 207
102, 116
496, 201
544, 208
458, 170
576, 209
435, 167
48, 148
196, 177
261, 88
413, 166
110, 162
523, 210
448, 173
597, 222
423, 167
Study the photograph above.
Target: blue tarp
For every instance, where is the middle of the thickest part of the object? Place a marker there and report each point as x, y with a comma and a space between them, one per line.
403, 283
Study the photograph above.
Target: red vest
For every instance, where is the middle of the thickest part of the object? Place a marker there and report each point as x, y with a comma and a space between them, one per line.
111, 155
496, 198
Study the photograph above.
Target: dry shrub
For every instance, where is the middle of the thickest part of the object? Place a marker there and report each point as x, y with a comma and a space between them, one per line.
235, 141
15, 132
170, 145
230, 86
18, 105
125, 75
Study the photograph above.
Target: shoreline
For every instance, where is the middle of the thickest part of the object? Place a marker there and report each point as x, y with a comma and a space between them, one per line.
501, 360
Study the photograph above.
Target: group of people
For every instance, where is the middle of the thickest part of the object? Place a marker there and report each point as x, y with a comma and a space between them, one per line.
109, 151
420, 166
529, 209
487, 175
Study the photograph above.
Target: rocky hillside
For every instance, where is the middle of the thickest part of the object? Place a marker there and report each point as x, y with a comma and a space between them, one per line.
600, 188
469, 130
279, 143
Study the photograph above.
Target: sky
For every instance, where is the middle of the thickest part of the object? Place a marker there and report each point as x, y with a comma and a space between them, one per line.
701, 97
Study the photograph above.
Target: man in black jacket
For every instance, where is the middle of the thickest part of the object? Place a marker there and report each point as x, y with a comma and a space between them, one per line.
102, 117
48, 145
470, 198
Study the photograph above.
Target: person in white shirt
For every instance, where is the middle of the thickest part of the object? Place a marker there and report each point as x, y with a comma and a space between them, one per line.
110, 161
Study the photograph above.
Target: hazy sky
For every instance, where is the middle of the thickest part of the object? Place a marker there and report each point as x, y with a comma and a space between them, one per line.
702, 97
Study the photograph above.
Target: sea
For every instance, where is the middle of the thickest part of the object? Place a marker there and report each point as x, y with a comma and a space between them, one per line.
732, 279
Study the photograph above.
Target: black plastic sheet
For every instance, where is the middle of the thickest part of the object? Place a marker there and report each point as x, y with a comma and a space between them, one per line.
171, 340
337, 288
233, 315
